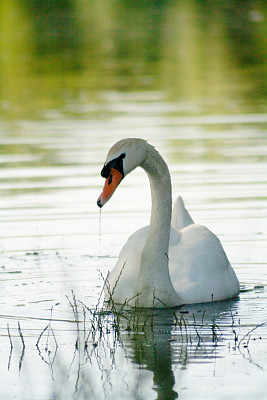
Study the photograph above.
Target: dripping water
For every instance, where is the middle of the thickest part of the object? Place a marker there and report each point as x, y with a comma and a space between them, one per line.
99, 234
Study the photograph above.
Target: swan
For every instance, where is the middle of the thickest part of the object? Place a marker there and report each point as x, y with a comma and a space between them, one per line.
173, 261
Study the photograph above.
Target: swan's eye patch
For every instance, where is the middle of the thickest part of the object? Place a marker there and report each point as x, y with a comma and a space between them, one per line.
117, 164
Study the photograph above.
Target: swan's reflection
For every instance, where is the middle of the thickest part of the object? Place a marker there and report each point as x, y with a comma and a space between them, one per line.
149, 345
163, 342
160, 339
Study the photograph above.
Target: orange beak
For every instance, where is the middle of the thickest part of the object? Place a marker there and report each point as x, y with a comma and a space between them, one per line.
112, 182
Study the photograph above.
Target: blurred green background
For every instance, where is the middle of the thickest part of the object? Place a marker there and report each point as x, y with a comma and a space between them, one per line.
65, 56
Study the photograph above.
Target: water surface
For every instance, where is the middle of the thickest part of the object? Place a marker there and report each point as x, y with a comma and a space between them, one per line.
67, 96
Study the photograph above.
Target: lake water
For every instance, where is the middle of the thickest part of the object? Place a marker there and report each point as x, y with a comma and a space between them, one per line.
208, 120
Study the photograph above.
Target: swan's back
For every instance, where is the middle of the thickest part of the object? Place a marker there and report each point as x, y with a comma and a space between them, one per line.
199, 268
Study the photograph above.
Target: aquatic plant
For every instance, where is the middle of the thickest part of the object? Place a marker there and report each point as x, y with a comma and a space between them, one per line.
156, 339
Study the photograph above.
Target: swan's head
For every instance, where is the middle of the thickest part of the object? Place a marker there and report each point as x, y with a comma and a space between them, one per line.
123, 157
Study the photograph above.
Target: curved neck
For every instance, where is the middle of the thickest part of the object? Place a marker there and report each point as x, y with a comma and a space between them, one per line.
155, 252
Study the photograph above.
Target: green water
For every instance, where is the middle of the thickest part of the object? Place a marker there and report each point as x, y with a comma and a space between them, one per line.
66, 57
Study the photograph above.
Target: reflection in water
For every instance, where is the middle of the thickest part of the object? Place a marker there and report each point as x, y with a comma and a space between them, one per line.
153, 340
56, 34
95, 352
161, 339
149, 345
67, 53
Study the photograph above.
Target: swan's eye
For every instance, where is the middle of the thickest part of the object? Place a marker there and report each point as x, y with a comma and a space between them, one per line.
117, 164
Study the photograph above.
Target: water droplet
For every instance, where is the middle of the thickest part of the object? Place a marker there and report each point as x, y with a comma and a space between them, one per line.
99, 234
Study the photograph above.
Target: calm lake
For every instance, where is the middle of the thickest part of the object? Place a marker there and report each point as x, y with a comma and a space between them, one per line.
190, 77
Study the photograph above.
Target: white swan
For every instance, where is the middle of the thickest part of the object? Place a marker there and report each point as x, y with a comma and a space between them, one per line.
162, 265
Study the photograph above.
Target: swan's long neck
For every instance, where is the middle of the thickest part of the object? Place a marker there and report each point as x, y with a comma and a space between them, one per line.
154, 279
157, 243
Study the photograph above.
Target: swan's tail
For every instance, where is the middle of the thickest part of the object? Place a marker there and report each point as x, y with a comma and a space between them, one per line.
180, 216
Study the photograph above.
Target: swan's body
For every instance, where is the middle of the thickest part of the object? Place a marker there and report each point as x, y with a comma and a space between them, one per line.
173, 261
